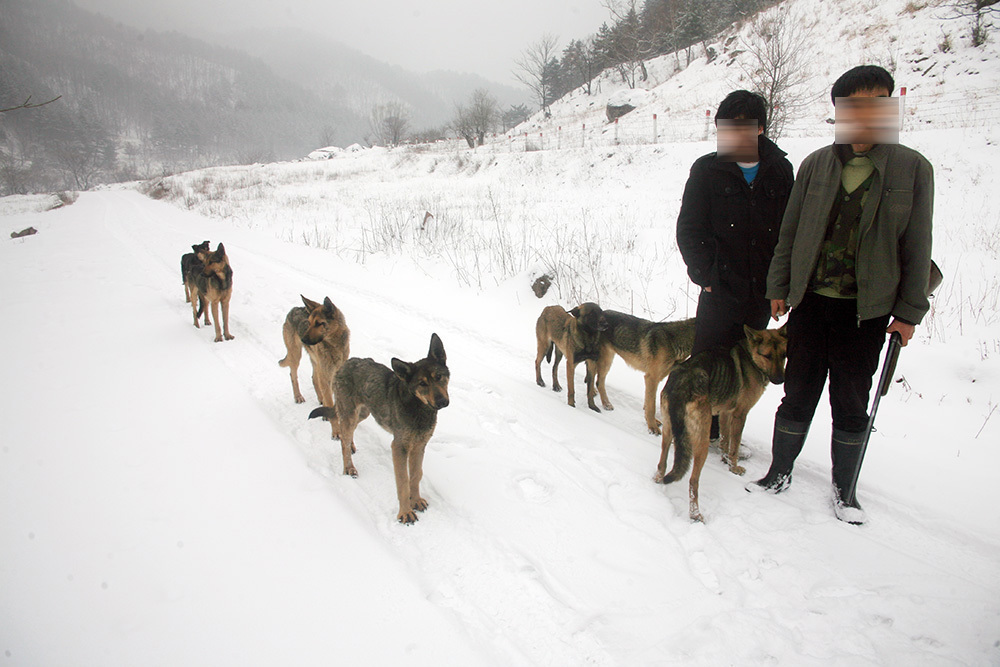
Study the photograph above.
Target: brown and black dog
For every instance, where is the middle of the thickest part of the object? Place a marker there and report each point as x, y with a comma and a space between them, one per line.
724, 382
322, 329
651, 347
188, 260
212, 281
575, 335
404, 401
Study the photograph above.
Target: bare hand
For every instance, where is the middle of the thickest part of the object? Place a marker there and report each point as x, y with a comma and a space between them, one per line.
778, 308
905, 330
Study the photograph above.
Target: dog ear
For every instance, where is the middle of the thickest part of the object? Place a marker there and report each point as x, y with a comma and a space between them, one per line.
197, 248
436, 350
783, 331
402, 369
310, 305
328, 308
752, 335
220, 251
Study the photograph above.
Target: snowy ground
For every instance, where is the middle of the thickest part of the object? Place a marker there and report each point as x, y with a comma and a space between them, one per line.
164, 501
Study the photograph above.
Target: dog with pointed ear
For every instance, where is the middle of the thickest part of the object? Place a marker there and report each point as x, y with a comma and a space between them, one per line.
322, 330
405, 401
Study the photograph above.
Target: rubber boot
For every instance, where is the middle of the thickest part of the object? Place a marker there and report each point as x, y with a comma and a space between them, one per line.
786, 444
845, 450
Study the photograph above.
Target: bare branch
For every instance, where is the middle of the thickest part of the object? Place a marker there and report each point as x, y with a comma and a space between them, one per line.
28, 105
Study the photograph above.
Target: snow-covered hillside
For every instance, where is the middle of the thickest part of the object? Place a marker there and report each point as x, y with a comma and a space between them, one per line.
949, 82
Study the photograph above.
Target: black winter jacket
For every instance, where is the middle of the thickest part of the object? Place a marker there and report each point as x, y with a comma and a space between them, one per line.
726, 229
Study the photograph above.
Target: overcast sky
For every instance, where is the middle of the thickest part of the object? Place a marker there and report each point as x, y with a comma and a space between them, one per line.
462, 35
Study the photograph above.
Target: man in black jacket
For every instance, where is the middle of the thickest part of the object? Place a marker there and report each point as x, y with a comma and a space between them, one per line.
728, 224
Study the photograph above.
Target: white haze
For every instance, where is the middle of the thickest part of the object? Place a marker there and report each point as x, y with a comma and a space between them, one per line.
479, 38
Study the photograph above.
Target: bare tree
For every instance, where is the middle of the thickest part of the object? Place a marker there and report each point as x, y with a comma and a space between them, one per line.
979, 11
475, 121
776, 63
389, 123
532, 69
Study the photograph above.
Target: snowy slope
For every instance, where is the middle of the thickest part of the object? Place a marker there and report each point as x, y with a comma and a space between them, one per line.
945, 88
164, 501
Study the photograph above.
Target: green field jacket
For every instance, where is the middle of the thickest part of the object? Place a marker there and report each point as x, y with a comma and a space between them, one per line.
894, 243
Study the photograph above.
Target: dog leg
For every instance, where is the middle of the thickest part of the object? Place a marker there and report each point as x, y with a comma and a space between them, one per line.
406, 514
194, 309
215, 316
591, 390
668, 436
542, 350
731, 430
699, 431
292, 359
649, 404
349, 423
203, 306
326, 384
570, 380
700, 436
555, 369
603, 366
416, 474
225, 319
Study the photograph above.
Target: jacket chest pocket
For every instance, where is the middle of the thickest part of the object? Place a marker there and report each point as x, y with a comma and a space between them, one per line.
898, 201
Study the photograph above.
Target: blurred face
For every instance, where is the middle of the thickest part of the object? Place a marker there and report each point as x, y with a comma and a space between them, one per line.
737, 139
867, 117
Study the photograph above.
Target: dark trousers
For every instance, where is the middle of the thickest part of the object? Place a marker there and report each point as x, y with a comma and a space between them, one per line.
826, 339
720, 318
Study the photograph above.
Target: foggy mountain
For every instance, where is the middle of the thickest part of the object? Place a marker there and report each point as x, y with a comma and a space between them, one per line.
339, 73
137, 103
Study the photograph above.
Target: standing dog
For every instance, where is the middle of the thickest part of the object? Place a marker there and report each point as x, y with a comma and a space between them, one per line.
405, 402
723, 382
651, 347
321, 328
573, 334
188, 260
212, 281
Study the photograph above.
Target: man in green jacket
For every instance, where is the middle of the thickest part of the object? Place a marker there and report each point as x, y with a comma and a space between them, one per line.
854, 250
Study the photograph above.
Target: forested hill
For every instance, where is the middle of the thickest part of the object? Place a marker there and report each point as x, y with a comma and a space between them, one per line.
135, 103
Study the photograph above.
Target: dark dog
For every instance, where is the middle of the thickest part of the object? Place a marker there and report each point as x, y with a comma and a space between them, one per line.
573, 334
723, 382
651, 347
405, 402
212, 281
188, 260
321, 328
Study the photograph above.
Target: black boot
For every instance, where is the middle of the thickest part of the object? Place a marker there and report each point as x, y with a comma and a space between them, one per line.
845, 450
786, 444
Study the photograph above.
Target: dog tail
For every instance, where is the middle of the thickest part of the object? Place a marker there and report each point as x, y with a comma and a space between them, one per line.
326, 412
548, 352
690, 390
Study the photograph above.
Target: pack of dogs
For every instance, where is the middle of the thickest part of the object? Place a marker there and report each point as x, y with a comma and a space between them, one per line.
405, 397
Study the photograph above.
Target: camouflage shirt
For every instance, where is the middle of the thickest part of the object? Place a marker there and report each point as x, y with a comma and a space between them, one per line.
835, 269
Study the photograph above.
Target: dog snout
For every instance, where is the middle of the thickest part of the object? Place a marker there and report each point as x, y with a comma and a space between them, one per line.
441, 401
